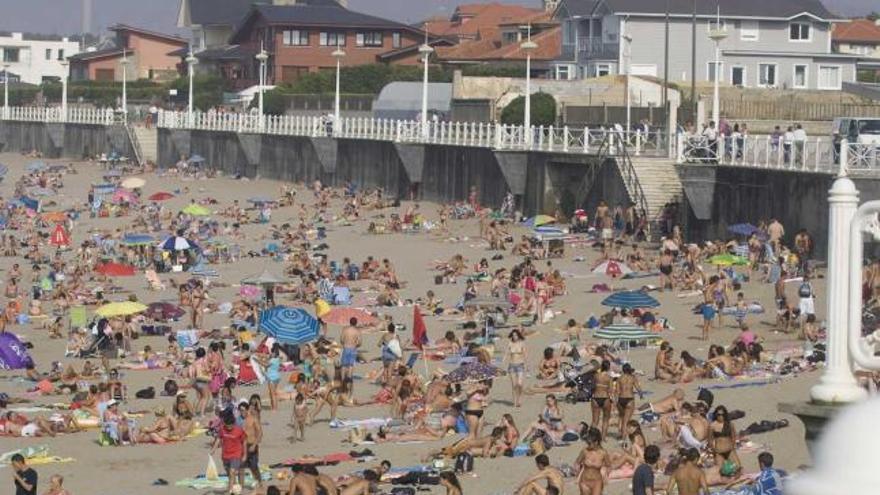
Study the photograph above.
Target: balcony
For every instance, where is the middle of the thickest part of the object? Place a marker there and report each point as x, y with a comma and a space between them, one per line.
595, 48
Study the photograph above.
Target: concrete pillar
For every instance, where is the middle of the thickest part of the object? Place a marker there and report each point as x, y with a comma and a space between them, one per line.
838, 383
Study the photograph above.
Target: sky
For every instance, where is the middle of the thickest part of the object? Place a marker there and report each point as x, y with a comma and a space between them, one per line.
63, 16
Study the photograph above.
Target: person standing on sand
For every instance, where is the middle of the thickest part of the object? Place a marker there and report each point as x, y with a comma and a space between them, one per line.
23, 476
690, 479
591, 463
253, 431
351, 341
231, 439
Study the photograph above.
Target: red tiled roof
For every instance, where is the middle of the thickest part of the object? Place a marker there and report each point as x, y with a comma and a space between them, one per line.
857, 30
549, 44
479, 18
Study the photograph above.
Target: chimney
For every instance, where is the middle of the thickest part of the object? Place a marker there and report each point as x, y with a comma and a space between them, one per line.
86, 16
550, 5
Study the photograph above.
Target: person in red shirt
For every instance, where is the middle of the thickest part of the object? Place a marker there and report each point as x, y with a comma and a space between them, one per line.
231, 439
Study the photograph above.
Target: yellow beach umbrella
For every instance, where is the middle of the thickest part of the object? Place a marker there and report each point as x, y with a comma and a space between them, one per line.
124, 308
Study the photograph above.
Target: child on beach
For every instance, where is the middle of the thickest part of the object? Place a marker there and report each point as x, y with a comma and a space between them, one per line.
300, 417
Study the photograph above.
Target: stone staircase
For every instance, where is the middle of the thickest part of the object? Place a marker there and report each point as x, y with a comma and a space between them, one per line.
659, 181
148, 140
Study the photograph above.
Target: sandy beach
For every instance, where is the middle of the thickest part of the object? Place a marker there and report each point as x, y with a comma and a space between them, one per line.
133, 469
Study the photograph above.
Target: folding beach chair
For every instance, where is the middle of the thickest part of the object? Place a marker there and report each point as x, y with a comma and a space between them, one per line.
79, 317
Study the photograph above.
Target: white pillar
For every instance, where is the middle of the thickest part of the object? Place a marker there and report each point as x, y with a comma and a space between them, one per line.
528, 46
837, 383
190, 62
6, 91
425, 50
338, 54
262, 57
124, 63
64, 64
716, 104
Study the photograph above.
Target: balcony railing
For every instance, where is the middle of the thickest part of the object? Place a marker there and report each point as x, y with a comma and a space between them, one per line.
594, 47
96, 116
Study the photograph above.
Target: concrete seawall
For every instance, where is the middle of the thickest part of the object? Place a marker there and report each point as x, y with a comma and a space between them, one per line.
73, 141
430, 172
717, 197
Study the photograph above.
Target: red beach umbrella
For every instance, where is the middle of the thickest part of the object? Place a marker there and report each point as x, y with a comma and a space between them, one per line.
59, 237
115, 270
160, 196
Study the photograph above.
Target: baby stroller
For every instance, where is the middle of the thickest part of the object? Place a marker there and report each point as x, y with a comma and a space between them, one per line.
581, 384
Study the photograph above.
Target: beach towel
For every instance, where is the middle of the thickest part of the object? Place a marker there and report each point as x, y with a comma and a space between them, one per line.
341, 296
644, 274
362, 423
326, 460
221, 483
187, 338
759, 383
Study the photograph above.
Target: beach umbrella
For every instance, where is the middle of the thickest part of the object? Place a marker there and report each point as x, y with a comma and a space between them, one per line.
727, 260
624, 332
133, 183
13, 353
164, 311
196, 210
260, 200
538, 220
124, 308
342, 316
54, 216
177, 243
112, 269
137, 239
249, 291
36, 166
264, 278
196, 159
59, 237
474, 372
30, 203
289, 325
630, 300
743, 229
160, 196
612, 268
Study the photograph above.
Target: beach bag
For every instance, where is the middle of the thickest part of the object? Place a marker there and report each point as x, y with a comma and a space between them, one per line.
211, 469
464, 463
438, 279
146, 393
706, 396
394, 348
805, 290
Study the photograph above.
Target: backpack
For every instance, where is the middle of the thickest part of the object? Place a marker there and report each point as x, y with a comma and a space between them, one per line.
805, 290
147, 393
464, 463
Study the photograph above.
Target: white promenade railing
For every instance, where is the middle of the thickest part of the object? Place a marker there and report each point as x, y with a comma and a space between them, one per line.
820, 155
475, 134
96, 116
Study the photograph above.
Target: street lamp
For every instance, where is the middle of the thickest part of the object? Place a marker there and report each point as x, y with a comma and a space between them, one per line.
191, 60
124, 64
627, 54
262, 57
65, 65
5, 91
528, 46
717, 35
338, 54
425, 50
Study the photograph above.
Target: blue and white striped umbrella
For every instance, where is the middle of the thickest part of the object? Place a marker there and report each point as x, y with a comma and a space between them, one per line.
289, 325
177, 243
624, 332
630, 299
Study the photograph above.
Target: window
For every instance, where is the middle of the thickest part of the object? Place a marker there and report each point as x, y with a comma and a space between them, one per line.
565, 72
395, 40
767, 75
290, 73
295, 37
332, 39
800, 76
61, 54
104, 75
799, 31
829, 77
370, 38
711, 70
10, 54
48, 54
738, 76
603, 70
749, 31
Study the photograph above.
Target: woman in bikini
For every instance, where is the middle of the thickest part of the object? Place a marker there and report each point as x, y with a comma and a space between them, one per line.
516, 364
600, 405
473, 411
722, 437
591, 464
665, 267
626, 387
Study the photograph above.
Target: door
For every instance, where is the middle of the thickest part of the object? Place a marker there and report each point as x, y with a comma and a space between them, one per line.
738, 76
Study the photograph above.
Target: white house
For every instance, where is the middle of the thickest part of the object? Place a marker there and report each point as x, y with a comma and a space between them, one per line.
34, 58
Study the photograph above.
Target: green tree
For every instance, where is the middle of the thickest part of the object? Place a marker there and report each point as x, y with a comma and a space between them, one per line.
274, 102
543, 110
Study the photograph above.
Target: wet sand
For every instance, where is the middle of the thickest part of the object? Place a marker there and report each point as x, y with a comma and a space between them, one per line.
131, 470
